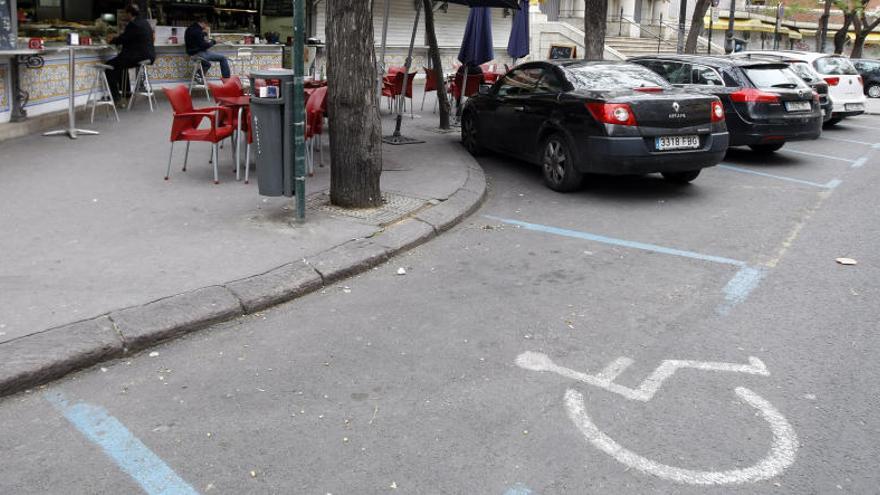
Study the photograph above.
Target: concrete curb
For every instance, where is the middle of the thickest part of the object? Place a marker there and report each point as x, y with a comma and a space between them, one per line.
38, 358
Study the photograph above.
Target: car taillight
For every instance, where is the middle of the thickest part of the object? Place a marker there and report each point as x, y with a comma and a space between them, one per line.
752, 95
832, 81
649, 89
861, 81
717, 111
612, 113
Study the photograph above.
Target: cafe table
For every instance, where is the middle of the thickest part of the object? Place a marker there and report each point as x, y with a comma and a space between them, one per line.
71, 129
239, 103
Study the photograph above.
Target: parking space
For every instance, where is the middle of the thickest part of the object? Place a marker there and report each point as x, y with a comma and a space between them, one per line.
631, 337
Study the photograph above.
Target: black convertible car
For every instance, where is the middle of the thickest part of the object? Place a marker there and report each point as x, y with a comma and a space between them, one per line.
575, 117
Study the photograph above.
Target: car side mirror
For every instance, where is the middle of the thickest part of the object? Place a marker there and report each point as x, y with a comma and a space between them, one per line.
484, 89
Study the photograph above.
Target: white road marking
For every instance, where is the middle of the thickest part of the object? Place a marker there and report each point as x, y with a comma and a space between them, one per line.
819, 155
782, 451
536, 361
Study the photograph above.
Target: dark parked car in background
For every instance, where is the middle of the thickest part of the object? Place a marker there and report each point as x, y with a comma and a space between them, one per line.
575, 117
806, 72
765, 103
870, 72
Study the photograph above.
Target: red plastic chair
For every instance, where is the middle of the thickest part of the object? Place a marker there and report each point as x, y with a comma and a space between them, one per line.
186, 121
470, 88
315, 108
430, 85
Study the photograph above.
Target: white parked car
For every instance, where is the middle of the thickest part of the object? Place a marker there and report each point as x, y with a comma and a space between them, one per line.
845, 85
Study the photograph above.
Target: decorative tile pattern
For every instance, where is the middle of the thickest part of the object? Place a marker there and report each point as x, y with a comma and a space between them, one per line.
178, 68
50, 82
4, 88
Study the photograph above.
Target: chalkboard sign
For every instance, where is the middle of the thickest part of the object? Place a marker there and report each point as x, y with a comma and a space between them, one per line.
8, 26
562, 51
276, 8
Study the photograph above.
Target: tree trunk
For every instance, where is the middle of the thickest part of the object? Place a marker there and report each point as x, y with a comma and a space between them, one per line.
437, 63
700, 9
595, 15
865, 28
840, 36
822, 32
355, 129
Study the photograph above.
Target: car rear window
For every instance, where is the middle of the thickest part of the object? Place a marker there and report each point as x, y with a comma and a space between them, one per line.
774, 77
805, 72
835, 66
615, 76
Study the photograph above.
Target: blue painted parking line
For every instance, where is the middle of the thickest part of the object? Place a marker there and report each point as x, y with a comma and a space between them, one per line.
828, 185
740, 286
873, 128
860, 162
618, 242
818, 155
129, 453
518, 489
736, 291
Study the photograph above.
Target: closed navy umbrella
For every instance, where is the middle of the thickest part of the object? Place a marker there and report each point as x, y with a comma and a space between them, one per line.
476, 46
518, 44
504, 4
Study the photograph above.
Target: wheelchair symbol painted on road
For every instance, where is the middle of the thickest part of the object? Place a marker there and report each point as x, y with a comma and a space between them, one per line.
782, 450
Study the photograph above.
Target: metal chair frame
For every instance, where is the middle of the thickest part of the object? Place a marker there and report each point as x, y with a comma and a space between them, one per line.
142, 85
198, 70
99, 89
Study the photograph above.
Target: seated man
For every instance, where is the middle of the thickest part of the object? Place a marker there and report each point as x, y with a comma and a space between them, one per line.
137, 45
197, 43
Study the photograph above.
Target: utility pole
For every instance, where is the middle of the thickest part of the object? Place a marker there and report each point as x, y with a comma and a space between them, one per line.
682, 14
728, 41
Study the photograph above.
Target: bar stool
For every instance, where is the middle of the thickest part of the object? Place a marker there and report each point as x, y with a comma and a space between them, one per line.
198, 71
99, 93
243, 58
142, 84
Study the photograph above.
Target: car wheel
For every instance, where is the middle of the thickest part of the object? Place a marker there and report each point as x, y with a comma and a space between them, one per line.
557, 164
470, 135
833, 121
681, 177
766, 148
874, 91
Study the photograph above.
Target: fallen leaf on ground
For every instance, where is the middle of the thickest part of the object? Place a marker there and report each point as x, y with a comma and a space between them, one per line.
154, 354
401, 271
846, 261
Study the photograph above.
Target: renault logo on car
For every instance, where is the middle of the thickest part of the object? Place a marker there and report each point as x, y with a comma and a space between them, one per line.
675, 106
675, 114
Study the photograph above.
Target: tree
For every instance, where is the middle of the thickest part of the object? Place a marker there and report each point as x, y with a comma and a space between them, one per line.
436, 63
862, 27
353, 106
700, 9
822, 32
841, 36
595, 13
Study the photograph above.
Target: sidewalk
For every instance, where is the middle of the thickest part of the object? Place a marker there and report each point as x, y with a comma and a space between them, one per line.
91, 228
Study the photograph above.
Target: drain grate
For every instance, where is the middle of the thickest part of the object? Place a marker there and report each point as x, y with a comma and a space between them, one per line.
396, 207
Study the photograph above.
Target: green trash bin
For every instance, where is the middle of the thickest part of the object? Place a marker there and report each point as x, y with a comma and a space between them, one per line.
272, 125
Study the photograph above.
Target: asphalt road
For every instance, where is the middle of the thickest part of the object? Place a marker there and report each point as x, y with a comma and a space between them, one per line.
526, 351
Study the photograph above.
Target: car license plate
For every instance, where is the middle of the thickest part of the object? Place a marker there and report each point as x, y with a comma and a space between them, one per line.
854, 107
666, 143
798, 106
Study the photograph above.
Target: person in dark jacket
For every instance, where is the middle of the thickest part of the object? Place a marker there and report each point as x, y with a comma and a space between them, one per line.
137, 45
197, 43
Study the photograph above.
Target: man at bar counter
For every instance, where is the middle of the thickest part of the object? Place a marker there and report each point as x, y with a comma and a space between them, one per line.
197, 43
137, 45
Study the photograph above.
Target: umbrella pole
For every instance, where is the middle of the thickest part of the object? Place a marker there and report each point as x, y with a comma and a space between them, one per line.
381, 64
396, 138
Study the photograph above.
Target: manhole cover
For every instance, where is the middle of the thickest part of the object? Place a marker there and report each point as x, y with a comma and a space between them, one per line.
396, 207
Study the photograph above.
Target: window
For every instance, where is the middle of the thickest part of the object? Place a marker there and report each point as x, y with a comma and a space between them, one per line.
805, 72
835, 66
774, 77
676, 72
520, 82
706, 75
550, 83
612, 76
